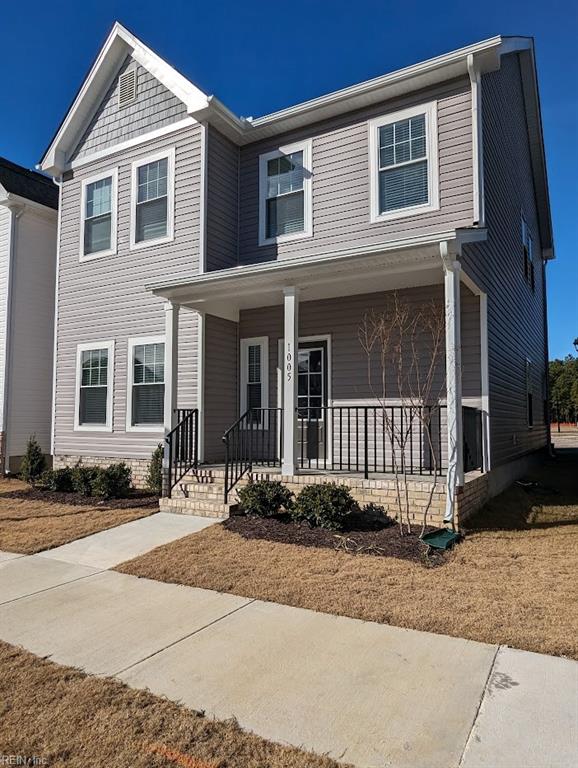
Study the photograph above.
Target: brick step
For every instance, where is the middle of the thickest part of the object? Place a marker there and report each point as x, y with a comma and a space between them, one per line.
201, 508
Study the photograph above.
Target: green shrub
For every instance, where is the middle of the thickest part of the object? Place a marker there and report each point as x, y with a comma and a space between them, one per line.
57, 480
325, 505
154, 478
113, 482
83, 479
265, 498
33, 462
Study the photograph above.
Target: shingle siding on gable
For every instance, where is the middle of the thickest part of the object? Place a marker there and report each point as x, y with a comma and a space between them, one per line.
155, 107
341, 214
515, 312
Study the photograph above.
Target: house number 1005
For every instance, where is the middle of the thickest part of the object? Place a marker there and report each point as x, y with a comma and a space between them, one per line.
288, 363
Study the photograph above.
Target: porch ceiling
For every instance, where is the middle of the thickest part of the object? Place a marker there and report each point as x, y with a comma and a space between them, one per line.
226, 292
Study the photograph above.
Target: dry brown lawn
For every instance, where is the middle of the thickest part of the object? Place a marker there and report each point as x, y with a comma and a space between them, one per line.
512, 581
31, 521
74, 720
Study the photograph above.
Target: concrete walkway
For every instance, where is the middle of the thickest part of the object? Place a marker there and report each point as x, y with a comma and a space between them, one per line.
365, 693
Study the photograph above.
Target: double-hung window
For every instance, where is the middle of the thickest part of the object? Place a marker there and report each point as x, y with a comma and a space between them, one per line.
254, 376
152, 200
285, 211
404, 163
98, 216
528, 248
146, 383
94, 367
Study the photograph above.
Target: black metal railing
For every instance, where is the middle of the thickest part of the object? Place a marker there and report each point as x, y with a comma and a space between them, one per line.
473, 439
181, 448
373, 439
255, 439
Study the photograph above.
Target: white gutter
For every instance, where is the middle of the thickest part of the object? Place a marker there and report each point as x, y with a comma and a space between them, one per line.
477, 147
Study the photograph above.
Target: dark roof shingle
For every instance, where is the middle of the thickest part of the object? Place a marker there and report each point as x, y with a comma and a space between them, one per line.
29, 184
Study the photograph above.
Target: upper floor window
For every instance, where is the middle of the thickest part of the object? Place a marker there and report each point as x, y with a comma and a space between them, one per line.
98, 216
146, 383
94, 366
404, 163
152, 200
285, 211
528, 248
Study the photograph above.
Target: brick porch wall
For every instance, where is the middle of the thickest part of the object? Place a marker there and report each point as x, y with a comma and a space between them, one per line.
139, 467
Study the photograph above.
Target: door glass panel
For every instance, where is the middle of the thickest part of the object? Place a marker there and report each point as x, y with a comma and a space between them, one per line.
315, 360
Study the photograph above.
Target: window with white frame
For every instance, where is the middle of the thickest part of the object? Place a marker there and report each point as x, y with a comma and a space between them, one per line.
146, 383
152, 200
528, 249
285, 211
403, 163
254, 375
94, 386
98, 215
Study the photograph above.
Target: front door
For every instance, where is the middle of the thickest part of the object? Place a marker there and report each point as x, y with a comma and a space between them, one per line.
312, 378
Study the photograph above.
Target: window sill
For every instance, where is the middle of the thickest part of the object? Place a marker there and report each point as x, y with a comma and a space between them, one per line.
98, 255
149, 243
285, 238
88, 428
152, 429
402, 213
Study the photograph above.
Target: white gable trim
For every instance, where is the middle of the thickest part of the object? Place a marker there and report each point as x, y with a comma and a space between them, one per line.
119, 44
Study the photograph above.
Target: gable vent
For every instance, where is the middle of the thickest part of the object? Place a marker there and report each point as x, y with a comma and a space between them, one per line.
127, 88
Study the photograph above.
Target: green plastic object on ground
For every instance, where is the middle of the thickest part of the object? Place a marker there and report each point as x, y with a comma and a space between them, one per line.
442, 538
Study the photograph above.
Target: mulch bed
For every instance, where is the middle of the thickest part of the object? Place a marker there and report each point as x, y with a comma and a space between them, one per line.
136, 498
360, 536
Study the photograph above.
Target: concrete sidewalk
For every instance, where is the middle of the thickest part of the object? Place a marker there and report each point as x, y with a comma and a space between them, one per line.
365, 693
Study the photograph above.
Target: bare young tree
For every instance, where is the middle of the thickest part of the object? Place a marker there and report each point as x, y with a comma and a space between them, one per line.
404, 347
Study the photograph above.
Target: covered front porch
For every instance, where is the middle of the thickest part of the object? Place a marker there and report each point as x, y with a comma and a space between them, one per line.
286, 385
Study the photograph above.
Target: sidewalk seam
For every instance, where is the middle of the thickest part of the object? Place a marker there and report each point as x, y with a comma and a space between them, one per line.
54, 586
185, 637
482, 698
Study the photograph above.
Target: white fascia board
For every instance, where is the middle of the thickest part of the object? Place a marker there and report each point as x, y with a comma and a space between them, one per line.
118, 45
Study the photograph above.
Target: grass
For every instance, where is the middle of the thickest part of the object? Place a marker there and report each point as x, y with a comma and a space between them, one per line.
512, 581
68, 718
31, 521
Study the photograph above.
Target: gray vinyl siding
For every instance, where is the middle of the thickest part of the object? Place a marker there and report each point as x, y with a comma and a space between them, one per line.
515, 312
471, 346
221, 383
105, 299
340, 184
5, 224
222, 201
154, 107
31, 332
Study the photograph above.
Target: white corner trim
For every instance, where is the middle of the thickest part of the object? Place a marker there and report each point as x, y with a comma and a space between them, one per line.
169, 155
111, 173
138, 141
55, 331
85, 347
201, 383
306, 147
433, 204
477, 145
203, 202
263, 342
134, 341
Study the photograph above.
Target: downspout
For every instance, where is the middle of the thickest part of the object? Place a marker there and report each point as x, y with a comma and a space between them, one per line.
16, 212
477, 145
55, 334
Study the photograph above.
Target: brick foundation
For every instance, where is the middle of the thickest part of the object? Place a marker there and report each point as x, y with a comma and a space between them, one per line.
139, 467
472, 496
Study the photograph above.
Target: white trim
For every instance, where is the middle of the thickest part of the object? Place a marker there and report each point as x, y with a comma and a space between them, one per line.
430, 111
138, 141
55, 330
477, 145
171, 368
13, 215
169, 155
263, 342
300, 146
201, 383
204, 185
134, 341
85, 347
111, 173
485, 381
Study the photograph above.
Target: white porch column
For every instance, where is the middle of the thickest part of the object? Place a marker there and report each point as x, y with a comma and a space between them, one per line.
171, 363
290, 354
485, 382
455, 471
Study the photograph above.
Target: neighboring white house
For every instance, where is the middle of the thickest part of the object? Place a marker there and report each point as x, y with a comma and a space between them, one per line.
28, 236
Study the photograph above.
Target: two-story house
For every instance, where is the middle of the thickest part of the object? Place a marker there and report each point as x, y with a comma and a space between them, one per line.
28, 202
214, 273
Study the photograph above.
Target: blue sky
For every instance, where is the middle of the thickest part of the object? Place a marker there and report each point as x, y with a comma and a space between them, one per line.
258, 56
